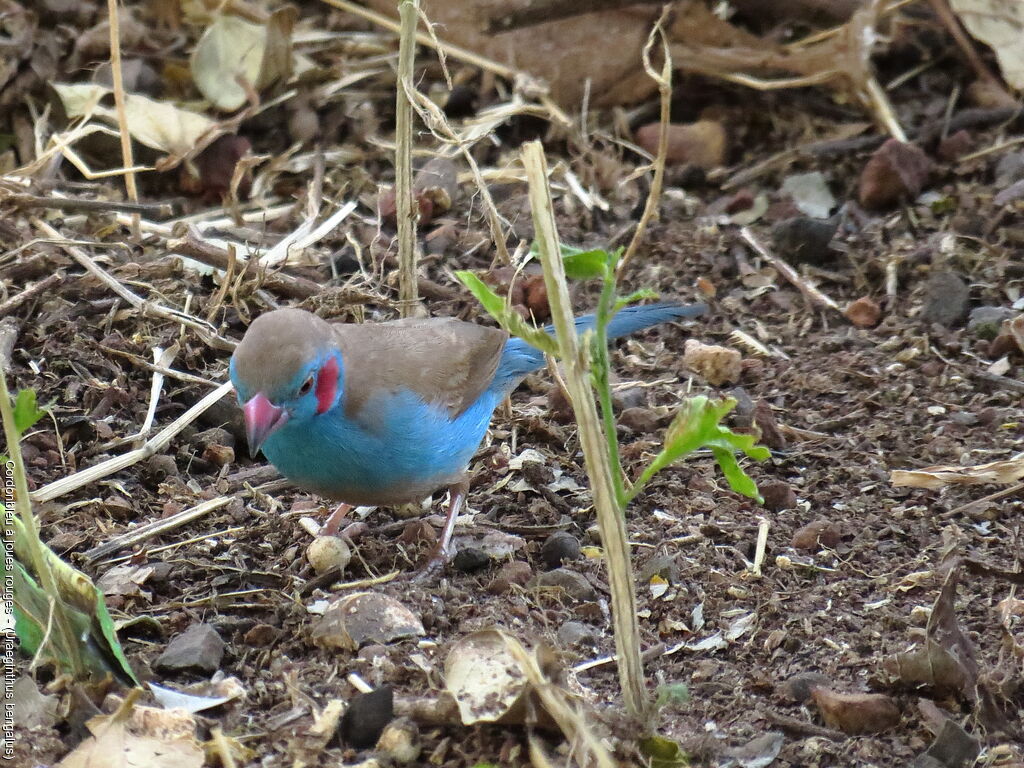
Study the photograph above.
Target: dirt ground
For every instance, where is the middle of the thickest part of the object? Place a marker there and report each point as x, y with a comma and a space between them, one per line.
849, 405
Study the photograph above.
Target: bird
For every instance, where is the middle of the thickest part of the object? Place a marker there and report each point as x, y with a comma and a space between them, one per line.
388, 413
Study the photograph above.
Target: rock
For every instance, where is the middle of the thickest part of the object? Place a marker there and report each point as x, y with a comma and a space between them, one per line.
1009, 169
213, 436
573, 584
159, 467
702, 144
219, 455
366, 717
719, 365
634, 397
470, 559
418, 531
363, 618
864, 312
640, 420
261, 635
803, 240
952, 148
400, 741
896, 171
558, 548
798, 688
817, 534
856, 713
764, 420
576, 633
777, 495
664, 566
987, 322
946, 299
328, 553
198, 649
118, 507
516, 572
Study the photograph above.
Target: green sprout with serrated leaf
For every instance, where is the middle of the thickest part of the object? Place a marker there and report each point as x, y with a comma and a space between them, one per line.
59, 614
698, 423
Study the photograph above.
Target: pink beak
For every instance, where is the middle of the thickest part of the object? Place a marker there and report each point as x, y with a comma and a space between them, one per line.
262, 419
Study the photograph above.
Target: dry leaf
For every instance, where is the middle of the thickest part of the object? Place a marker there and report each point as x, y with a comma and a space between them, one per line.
365, 617
150, 737
1000, 25
155, 124
855, 713
235, 56
1008, 471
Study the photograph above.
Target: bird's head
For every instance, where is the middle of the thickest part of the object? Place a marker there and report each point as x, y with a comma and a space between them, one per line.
286, 370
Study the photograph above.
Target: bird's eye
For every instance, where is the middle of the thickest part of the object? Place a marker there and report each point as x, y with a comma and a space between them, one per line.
306, 387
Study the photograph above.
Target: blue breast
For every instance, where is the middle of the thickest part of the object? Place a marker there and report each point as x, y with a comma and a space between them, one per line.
397, 449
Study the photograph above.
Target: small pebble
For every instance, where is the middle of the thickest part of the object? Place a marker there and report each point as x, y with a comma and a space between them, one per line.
197, 649
803, 240
470, 559
896, 171
817, 534
640, 420
327, 553
575, 585
160, 467
261, 635
777, 495
560, 547
576, 633
946, 299
864, 312
366, 717
987, 322
702, 144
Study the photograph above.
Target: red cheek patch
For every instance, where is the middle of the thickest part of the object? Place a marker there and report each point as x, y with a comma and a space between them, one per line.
327, 385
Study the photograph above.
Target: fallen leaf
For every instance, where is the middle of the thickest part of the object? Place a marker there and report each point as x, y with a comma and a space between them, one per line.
1000, 25
155, 124
856, 713
1007, 471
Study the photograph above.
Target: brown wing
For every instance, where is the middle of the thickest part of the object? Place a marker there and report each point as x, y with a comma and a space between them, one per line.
445, 361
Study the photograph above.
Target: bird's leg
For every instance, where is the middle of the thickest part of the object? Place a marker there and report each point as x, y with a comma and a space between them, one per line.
335, 519
456, 498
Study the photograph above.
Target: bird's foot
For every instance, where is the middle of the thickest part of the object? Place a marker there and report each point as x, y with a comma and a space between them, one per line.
433, 567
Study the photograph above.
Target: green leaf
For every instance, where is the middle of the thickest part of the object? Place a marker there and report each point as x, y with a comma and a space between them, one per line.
105, 626
633, 298
586, 264
697, 425
663, 753
507, 317
26, 412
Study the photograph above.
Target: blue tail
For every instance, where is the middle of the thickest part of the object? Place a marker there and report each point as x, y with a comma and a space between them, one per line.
519, 358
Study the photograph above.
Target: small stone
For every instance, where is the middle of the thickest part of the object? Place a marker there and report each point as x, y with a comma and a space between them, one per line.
864, 312
371, 652
702, 144
764, 420
573, 584
634, 397
516, 572
219, 455
856, 713
777, 495
560, 547
1003, 344
160, 467
798, 688
663, 566
987, 322
576, 633
367, 716
470, 559
640, 420
118, 507
261, 635
214, 436
952, 148
400, 741
803, 240
946, 299
741, 201
198, 649
719, 365
896, 171
328, 553
1009, 169
817, 534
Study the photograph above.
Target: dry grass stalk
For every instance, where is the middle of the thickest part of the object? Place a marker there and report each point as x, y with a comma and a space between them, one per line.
810, 292
157, 443
122, 116
664, 81
609, 517
407, 211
